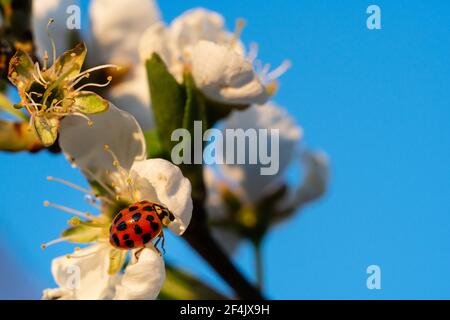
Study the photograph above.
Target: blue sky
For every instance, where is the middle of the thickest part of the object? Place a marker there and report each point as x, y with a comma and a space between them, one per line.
377, 101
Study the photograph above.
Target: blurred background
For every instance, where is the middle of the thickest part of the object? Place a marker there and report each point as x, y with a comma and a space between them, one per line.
377, 101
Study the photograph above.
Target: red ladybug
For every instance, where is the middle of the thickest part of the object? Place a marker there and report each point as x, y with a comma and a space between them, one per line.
138, 224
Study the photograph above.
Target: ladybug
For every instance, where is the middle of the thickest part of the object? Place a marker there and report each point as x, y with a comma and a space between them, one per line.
139, 224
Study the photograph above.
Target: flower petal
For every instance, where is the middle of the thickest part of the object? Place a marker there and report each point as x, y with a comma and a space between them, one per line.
160, 178
117, 26
198, 24
226, 76
132, 95
143, 278
85, 145
314, 184
90, 102
253, 184
85, 273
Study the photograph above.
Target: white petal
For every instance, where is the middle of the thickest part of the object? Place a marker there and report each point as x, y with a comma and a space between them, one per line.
226, 76
144, 278
85, 273
85, 144
43, 11
132, 95
253, 184
315, 182
165, 180
198, 24
117, 26
157, 39
216, 209
58, 294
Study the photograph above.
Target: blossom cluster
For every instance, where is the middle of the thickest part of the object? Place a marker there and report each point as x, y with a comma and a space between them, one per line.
147, 77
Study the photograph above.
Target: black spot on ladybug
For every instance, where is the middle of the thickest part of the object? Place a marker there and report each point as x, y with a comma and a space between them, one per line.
136, 216
129, 243
133, 208
154, 226
126, 236
147, 208
137, 229
150, 218
116, 240
117, 218
146, 237
122, 226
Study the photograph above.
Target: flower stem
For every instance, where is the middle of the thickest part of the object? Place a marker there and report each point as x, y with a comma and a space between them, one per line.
259, 265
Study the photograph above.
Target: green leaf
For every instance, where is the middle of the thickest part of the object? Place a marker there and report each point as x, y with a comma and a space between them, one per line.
168, 100
20, 69
89, 102
180, 285
46, 129
82, 233
70, 62
154, 146
195, 108
117, 259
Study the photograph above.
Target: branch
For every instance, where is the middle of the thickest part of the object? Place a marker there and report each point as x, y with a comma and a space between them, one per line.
200, 239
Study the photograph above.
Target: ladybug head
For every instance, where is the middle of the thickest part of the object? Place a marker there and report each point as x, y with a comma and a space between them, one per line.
164, 214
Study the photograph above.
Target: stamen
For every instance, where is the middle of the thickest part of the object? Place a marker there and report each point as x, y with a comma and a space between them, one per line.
74, 221
93, 84
92, 177
50, 243
71, 185
240, 24
38, 70
85, 215
124, 175
90, 123
104, 66
45, 60
51, 39
253, 52
279, 71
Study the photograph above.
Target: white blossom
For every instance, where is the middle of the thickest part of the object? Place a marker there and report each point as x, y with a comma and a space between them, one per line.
112, 154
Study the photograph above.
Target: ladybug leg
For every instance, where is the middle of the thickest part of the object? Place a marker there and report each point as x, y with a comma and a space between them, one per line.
162, 243
138, 253
160, 237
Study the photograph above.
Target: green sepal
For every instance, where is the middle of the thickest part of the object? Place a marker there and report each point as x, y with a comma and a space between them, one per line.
46, 129
20, 69
90, 102
70, 62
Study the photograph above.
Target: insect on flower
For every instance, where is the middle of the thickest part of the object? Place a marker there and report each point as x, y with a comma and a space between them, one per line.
48, 94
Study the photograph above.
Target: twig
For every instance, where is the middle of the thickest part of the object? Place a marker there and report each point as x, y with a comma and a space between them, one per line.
200, 239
